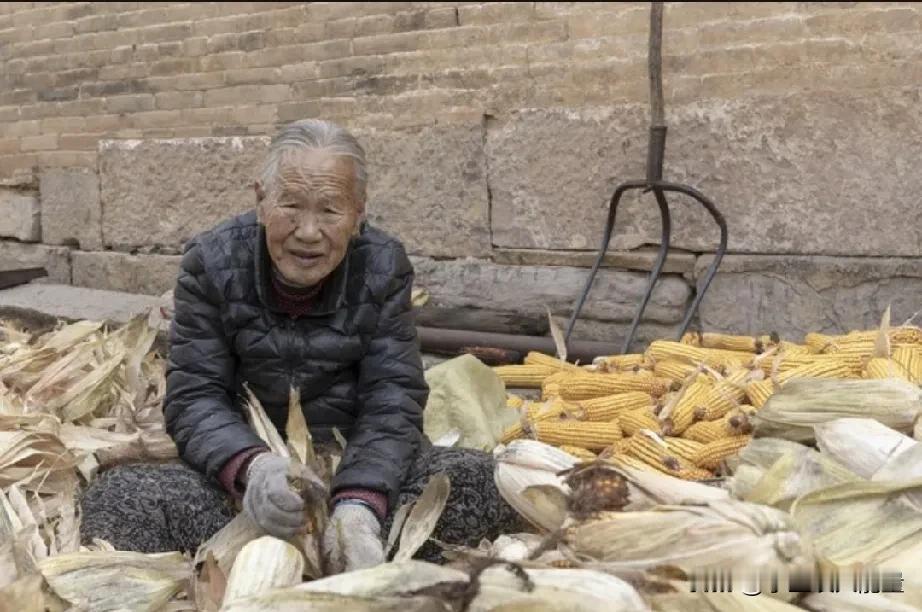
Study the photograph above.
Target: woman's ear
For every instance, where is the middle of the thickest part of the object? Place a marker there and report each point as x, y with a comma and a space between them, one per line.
260, 192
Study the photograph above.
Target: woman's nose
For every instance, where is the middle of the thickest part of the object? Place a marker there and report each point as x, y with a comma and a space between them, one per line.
307, 230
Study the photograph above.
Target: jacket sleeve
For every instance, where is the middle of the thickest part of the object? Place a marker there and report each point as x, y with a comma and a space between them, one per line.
392, 393
199, 405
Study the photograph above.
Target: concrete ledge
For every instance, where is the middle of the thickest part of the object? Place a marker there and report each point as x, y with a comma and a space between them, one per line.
72, 303
793, 295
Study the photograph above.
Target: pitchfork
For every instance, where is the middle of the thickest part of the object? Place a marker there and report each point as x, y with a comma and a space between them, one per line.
655, 183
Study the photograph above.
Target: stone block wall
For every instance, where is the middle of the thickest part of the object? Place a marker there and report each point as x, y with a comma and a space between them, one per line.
496, 133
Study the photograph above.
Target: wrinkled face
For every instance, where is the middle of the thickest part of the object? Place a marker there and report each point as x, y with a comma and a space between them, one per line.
311, 215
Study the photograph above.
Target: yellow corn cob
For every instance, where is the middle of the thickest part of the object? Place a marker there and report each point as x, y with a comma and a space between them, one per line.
745, 344
910, 360
725, 395
524, 376
790, 348
821, 343
819, 370
715, 358
785, 362
623, 458
689, 408
881, 367
712, 454
592, 436
758, 392
645, 449
620, 448
673, 369
615, 363
550, 387
579, 453
682, 448
607, 407
539, 411
591, 385
535, 358
633, 421
731, 424
514, 401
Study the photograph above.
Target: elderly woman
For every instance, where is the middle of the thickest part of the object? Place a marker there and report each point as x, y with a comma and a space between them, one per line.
303, 294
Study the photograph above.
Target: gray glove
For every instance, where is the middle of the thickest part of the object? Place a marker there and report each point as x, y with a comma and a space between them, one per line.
352, 539
276, 491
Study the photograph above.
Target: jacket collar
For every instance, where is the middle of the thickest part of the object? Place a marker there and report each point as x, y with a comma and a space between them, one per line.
332, 295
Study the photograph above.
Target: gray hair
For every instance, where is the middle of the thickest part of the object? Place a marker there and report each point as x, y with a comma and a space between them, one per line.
313, 134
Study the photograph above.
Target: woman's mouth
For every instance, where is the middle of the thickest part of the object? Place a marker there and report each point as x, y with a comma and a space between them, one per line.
306, 258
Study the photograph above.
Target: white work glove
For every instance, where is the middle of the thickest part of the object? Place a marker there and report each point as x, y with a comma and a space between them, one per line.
276, 490
352, 539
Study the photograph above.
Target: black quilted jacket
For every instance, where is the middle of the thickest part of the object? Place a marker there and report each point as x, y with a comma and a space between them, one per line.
355, 358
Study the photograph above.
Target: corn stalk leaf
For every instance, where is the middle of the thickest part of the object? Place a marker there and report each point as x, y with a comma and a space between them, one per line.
264, 427
559, 340
882, 342
424, 516
400, 518
299, 438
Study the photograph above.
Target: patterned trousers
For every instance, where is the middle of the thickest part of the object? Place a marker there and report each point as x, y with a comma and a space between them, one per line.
165, 507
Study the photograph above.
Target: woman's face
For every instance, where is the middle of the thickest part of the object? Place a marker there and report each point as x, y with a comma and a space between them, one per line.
311, 216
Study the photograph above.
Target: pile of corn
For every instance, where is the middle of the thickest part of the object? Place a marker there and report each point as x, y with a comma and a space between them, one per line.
683, 408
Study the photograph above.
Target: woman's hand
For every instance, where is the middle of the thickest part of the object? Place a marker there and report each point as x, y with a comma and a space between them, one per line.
271, 500
352, 539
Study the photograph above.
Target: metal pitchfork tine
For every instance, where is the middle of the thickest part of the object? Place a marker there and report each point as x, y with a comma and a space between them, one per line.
655, 183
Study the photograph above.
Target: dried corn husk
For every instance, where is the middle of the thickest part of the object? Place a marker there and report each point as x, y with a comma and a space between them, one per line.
684, 601
861, 445
792, 412
263, 564
795, 474
527, 463
423, 516
861, 522
23, 595
290, 600
388, 579
648, 488
116, 580
574, 590
721, 533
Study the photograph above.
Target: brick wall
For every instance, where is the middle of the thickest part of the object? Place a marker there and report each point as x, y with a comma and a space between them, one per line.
496, 132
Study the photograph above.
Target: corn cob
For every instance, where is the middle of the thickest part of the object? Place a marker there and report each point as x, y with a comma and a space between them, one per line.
589, 386
633, 421
821, 343
682, 448
673, 369
615, 363
790, 348
759, 391
689, 408
783, 363
550, 387
725, 395
731, 424
592, 436
535, 358
623, 458
538, 411
910, 359
523, 376
607, 407
579, 453
712, 454
715, 358
745, 344
620, 448
644, 448
514, 401
882, 367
